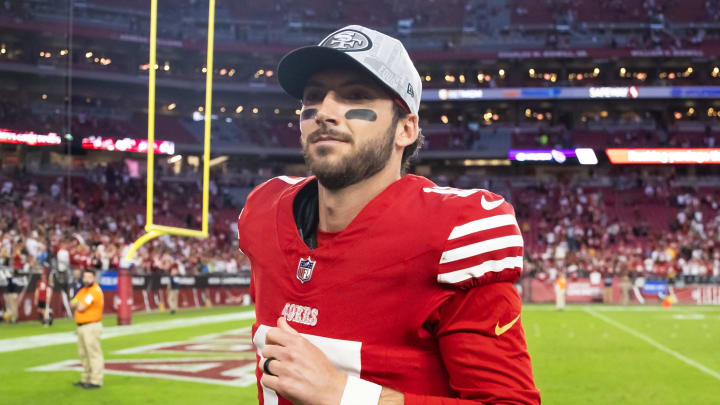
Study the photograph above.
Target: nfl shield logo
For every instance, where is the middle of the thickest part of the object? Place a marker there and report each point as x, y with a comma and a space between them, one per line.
305, 269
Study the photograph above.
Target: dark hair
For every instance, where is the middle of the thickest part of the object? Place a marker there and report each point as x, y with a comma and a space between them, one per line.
91, 271
411, 151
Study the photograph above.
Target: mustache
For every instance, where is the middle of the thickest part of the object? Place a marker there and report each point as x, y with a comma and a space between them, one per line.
324, 132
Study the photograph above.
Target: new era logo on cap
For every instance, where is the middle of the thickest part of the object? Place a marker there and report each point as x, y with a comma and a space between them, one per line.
348, 41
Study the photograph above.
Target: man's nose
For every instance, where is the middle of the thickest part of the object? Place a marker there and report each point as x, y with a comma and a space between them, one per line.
328, 111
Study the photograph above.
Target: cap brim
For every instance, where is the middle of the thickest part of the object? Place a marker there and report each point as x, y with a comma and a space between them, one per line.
298, 66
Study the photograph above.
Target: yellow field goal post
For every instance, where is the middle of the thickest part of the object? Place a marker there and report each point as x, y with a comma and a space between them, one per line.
152, 230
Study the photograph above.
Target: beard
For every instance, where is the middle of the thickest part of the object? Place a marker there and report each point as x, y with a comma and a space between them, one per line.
357, 165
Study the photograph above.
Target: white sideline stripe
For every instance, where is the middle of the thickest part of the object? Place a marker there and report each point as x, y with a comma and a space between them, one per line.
482, 225
481, 247
618, 308
247, 379
51, 339
479, 270
657, 345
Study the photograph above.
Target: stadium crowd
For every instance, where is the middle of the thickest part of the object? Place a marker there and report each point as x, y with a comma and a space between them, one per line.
42, 229
633, 225
640, 227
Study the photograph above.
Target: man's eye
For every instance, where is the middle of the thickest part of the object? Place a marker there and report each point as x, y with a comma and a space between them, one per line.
358, 95
312, 96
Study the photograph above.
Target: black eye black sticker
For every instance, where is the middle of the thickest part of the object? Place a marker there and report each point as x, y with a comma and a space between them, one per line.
308, 114
361, 114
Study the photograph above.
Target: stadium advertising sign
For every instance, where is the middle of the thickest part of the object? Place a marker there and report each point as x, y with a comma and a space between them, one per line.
29, 138
585, 156
664, 156
572, 93
127, 145
654, 287
614, 92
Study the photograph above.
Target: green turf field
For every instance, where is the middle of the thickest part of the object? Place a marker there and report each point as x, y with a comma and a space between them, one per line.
584, 355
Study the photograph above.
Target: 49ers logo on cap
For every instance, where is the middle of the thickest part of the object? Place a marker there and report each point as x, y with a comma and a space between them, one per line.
348, 41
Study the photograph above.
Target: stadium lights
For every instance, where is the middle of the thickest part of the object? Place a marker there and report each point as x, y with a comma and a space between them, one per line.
231, 72
88, 55
127, 145
428, 78
239, 109
449, 78
255, 110
200, 108
217, 160
204, 69
586, 156
297, 112
461, 78
222, 72
501, 73
664, 156
64, 52
166, 66
3, 49
29, 138
486, 162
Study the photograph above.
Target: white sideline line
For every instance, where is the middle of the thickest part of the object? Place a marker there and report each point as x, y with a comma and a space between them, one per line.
657, 345
618, 308
51, 339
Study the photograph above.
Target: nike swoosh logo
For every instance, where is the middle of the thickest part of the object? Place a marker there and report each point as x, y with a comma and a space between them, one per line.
499, 330
490, 205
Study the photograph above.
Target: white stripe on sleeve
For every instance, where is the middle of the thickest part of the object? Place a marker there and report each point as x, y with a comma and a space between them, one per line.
482, 225
479, 270
479, 248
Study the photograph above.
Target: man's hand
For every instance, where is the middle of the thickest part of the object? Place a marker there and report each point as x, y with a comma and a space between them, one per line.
302, 373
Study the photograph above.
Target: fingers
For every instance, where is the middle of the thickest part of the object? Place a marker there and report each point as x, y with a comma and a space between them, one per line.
279, 336
284, 325
270, 381
278, 352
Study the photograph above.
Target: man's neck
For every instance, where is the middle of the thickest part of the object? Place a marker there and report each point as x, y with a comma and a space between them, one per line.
337, 208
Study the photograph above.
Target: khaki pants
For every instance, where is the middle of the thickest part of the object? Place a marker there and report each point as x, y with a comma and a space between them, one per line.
11, 306
90, 352
173, 299
607, 295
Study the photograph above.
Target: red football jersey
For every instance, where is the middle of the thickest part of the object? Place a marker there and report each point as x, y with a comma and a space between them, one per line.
415, 294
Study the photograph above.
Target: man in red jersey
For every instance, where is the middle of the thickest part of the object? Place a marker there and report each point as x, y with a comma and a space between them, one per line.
373, 286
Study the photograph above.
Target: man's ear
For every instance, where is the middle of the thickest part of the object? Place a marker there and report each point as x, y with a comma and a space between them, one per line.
407, 131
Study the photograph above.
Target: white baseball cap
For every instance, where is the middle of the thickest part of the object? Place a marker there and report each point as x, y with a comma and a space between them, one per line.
383, 56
